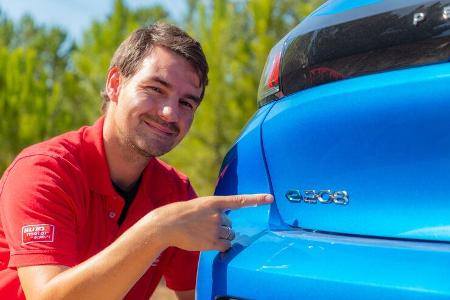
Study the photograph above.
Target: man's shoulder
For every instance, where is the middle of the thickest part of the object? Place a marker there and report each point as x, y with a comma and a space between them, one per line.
168, 183
62, 150
164, 169
55, 162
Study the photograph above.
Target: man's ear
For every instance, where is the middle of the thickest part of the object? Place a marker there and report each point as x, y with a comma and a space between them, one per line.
113, 84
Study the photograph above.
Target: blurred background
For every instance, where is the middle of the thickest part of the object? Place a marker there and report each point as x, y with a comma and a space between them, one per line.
54, 56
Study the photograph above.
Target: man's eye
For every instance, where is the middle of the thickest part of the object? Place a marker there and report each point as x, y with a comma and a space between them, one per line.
187, 104
155, 89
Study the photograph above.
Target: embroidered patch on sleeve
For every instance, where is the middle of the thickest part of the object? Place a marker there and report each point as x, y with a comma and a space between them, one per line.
43, 233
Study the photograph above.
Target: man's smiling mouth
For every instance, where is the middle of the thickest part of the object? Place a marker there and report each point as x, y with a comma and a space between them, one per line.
159, 128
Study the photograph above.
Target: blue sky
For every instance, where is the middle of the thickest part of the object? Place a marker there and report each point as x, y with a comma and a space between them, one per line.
76, 15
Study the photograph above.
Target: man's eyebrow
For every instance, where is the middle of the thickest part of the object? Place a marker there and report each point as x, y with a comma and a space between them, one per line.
161, 81
168, 85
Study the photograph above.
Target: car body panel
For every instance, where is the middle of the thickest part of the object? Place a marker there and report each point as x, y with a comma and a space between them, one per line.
383, 138
245, 158
304, 265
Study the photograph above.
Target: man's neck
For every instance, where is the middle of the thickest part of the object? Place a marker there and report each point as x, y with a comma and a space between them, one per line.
125, 166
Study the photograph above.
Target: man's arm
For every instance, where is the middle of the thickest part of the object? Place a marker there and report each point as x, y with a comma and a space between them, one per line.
192, 225
107, 275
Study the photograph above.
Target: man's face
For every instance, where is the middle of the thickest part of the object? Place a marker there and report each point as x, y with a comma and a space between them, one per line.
155, 107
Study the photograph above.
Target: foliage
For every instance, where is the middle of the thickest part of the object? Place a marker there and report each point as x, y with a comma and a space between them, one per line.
37, 94
49, 85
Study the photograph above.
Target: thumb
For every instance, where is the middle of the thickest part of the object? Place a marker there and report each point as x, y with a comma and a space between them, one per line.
238, 201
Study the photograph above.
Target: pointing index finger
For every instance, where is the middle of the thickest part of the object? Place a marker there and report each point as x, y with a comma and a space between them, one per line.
238, 201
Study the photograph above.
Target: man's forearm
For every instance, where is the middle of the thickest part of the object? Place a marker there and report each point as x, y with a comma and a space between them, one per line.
108, 274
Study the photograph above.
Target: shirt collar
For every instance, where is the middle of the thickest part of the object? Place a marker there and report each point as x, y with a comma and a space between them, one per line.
94, 159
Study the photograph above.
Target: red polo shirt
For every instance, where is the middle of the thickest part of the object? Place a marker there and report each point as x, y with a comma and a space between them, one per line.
58, 206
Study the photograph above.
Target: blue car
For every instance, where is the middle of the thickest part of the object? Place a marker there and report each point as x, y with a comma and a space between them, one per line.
352, 137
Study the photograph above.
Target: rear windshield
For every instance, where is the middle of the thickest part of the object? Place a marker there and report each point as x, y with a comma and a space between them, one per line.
373, 44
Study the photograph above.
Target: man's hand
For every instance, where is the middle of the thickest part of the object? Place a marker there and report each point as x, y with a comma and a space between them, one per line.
200, 224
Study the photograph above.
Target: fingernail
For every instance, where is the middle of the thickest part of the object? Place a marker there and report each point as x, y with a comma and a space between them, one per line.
269, 198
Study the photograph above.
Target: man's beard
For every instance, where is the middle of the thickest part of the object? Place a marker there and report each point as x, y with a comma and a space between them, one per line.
146, 148
138, 150
138, 144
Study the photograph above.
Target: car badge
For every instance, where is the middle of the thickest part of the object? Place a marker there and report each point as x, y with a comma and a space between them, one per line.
318, 196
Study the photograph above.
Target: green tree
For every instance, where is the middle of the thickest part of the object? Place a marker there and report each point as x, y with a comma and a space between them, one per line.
37, 94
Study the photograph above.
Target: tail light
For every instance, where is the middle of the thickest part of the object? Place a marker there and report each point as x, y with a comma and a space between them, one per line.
269, 86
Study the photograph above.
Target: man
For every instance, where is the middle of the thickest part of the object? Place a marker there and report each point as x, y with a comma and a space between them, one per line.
92, 214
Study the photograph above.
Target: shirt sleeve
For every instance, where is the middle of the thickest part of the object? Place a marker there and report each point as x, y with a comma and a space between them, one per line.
37, 212
181, 273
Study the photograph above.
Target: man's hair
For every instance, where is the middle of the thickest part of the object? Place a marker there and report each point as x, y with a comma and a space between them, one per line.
132, 51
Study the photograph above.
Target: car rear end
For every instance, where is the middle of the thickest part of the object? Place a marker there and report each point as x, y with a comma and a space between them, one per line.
352, 138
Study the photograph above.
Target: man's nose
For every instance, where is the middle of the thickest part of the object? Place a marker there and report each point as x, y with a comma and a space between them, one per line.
169, 111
